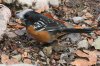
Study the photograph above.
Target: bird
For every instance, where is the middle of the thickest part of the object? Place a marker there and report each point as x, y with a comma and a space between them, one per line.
41, 27
44, 27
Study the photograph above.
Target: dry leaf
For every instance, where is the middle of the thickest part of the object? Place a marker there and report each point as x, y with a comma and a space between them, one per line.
97, 32
12, 61
88, 21
18, 26
90, 40
20, 50
4, 58
81, 54
18, 21
83, 44
18, 57
87, 15
80, 62
96, 43
91, 55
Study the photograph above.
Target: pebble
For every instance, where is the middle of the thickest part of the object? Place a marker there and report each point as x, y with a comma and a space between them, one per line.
11, 34
78, 19
27, 2
74, 37
59, 48
83, 44
18, 57
27, 61
64, 56
98, 19
47, 50
62, 61
54, 2
5, 15
96, 43
20, 32
41, 54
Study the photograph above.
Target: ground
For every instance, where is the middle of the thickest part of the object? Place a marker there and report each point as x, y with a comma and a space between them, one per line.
66, 50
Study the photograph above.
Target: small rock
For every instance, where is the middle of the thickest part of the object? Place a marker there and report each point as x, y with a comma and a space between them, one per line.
44, 63
48, 61
59, 48
98, 19
27, 61
27, 49
41, 53
62, 61
74, 37
64, 56
53, 61
20, 32
78, 19
83, 44
47, 50
72, 49
5, 15
27, 2
96, 43
11, 34
18, 57
54, 2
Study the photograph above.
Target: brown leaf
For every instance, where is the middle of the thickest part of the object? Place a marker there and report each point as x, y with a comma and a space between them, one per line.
20, 50
88, 21
97, 32
81, 54
4, 58
18, 26
18, 21
91, 55
12, 61
80, 62
90, 40
88, 15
